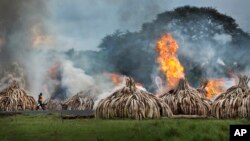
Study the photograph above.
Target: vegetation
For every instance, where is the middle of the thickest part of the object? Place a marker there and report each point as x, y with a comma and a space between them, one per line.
52, 127
194, 29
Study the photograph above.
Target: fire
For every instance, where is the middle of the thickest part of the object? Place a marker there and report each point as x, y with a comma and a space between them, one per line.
167, 47
214, 87
54, 70
139, 84
116, 79
38, 37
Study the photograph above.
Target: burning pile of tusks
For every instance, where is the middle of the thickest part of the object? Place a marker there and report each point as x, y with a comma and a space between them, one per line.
235, 102
14, 98
131, 102
78, 102
186, 100
52, 104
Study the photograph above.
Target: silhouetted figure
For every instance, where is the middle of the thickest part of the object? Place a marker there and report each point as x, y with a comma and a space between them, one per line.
40, 102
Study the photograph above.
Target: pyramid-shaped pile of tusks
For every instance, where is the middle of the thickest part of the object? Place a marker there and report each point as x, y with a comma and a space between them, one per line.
185, 100
14, 98
83, 100
80, 101
131, 102
53, 104
235, 102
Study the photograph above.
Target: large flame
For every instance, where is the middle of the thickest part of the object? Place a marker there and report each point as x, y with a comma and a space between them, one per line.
167, 47
214, 87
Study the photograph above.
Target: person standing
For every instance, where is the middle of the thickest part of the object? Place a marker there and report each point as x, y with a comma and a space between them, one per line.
40, 101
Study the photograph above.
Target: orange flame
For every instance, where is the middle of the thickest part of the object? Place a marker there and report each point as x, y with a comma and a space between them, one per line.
39, 38
214, 87
167, 47
116, 79
53, 71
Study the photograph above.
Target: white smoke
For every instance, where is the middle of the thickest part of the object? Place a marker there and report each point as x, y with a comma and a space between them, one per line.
75, 79
223, 38
107, 93
13, 75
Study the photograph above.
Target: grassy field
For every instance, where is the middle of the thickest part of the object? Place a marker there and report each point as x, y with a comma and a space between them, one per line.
53, 128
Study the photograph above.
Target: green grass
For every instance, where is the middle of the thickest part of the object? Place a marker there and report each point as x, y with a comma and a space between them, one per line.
53, 128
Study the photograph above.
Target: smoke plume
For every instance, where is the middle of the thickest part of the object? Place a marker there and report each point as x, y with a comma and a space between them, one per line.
27, 53
32, 38
211, 44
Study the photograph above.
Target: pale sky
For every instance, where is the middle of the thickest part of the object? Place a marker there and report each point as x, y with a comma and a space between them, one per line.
82, 24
